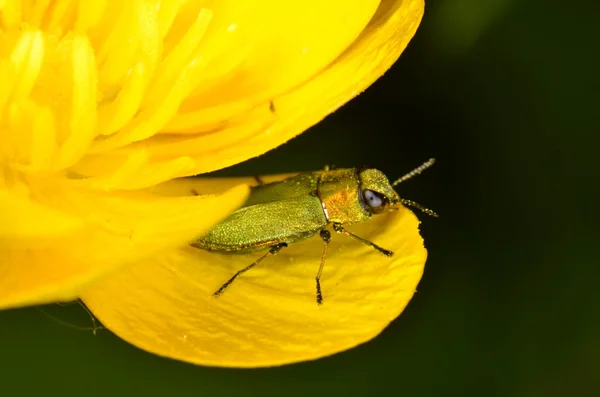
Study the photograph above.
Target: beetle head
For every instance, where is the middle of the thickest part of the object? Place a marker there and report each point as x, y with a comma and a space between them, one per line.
378, 193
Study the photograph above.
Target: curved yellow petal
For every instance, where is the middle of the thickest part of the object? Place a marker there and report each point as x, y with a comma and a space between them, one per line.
215, 137
21, 218
94, 234
269, 316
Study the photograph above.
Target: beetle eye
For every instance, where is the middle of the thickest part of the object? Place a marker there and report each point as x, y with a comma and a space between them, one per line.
374, 199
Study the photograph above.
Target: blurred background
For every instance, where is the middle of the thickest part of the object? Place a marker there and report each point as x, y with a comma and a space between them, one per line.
505, 95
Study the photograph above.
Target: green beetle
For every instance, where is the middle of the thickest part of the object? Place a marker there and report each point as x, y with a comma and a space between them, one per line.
281, 213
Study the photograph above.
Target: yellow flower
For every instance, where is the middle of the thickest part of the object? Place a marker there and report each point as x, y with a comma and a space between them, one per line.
104, 103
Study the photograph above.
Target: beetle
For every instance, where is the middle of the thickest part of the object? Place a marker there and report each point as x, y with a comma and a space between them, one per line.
278, 214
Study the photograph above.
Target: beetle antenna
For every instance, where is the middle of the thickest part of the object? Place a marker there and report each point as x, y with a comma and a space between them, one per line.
410, 203
415, 172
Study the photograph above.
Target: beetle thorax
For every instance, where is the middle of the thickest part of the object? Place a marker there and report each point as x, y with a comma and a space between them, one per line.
340, 196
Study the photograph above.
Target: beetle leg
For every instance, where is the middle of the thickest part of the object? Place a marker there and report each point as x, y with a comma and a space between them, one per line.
340, 229
326, 236
259, 180
274, 250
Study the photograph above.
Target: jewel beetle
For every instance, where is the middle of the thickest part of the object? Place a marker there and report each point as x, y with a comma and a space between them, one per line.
278, 214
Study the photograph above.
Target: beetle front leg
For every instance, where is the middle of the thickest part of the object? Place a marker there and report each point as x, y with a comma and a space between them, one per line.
340, 229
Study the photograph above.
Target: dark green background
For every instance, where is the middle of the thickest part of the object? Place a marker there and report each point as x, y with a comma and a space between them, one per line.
505, 95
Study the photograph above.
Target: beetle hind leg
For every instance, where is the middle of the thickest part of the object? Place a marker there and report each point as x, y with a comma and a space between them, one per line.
340, 229
272, 251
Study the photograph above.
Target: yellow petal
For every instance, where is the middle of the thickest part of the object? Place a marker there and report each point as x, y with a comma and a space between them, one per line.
21, 218
218, 136
269, 316
49, 255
